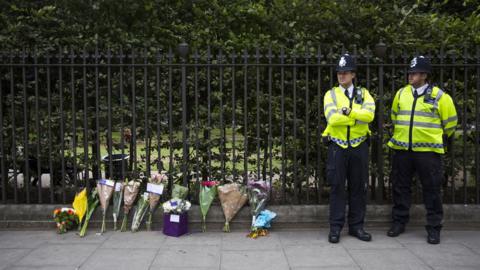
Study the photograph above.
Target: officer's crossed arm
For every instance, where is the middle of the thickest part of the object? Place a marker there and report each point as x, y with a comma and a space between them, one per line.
448, 114
333, 117
367, 112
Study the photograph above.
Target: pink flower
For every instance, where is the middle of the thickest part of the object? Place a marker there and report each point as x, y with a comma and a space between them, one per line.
209, 183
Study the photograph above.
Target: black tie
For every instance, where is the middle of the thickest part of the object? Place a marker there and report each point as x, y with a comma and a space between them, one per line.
415, 94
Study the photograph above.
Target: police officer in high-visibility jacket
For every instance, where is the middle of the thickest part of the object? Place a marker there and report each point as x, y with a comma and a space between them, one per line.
424, 119
348, 110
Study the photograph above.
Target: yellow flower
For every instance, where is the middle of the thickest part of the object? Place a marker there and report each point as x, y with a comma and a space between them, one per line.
80, 204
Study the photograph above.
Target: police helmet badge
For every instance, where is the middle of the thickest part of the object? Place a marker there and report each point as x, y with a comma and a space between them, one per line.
342, 62
413, 63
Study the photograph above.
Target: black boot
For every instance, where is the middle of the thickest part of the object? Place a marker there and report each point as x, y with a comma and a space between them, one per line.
396, 230
360, 234
433, 236
334, 236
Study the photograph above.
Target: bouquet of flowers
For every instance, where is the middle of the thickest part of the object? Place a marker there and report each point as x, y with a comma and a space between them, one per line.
155, 187
208, 191
91, 206
140, 211
65, 218
176, 206
257, 197
175, 217
232, 197
117, 203
263, 222
105, 189
80, 205
130, 192
179, 192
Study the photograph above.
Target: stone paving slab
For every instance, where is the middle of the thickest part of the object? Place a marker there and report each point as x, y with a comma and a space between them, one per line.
207, 256
318, 256
11, 255
58, 255
395, 259
120, 259
290, 249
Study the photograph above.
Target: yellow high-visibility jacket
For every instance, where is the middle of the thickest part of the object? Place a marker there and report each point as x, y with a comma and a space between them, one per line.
353, 129
420, 123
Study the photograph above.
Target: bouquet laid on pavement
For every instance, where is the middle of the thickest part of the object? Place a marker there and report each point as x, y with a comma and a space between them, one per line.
130, 192
65, 219
263, 222
105, 189
178, 203
140, 210
232, 197
91, 206
155, 187
208, 191
80, 205
175, 217
257, 197
117, 203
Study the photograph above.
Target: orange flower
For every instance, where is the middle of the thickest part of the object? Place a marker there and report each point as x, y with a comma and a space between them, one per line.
56, 211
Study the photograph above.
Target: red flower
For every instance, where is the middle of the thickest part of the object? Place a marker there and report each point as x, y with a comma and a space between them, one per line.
209, 183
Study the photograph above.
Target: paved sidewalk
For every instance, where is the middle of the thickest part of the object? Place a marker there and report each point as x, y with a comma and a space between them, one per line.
216, 250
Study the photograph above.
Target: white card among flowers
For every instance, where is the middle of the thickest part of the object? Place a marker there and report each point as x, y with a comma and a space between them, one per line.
155, 188
118, 186
107, 182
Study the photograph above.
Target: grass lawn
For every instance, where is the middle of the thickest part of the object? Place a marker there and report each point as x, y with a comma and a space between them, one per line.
177, 138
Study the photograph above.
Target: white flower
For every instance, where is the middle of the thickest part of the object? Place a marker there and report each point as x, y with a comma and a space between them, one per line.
176, 206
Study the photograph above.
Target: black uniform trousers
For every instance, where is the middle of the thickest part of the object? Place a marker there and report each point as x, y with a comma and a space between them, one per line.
428, 166
347, 165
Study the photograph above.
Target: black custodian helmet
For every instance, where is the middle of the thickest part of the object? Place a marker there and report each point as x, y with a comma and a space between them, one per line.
420, 64
346, 63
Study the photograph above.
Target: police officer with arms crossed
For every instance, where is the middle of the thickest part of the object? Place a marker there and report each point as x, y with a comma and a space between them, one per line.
424, 119
348, 110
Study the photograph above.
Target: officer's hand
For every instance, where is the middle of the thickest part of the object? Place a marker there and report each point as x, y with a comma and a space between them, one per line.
344, 111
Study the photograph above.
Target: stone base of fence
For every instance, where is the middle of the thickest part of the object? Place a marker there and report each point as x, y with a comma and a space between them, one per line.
39, 216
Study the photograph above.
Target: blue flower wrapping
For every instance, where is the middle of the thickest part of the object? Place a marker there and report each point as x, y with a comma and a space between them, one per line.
264, 219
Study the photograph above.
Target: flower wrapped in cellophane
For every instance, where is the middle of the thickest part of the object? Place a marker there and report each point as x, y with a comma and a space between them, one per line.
233, 197
130, 192
179, 192
257, 197
208, 191
117, 203
155, 187
264, 222
65, 218
105, 189
80, 205
140, 210
91, 206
